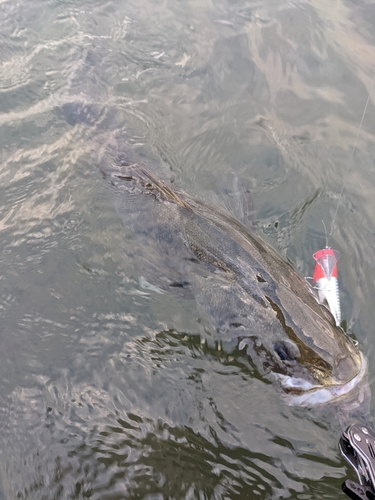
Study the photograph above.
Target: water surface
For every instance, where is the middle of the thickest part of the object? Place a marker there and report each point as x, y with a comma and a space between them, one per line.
110, 389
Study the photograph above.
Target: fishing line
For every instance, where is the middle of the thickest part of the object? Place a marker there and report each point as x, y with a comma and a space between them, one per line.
325, 275
350, 159
325, 231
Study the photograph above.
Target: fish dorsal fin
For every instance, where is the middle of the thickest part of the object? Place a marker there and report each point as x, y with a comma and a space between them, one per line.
235, 196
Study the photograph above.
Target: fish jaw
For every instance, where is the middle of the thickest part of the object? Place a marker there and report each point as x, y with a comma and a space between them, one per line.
300, 392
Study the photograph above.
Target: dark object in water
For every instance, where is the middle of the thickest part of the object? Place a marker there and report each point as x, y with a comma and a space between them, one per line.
357, 445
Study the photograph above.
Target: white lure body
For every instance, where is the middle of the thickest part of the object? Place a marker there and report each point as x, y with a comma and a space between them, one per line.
325, 280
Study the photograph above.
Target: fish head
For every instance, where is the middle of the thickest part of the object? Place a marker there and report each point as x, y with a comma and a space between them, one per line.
312, 380
313, 359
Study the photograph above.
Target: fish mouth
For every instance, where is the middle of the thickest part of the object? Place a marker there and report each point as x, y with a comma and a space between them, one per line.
300, 392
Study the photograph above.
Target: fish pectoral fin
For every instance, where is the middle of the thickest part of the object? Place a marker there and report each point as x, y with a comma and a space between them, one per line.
138, 173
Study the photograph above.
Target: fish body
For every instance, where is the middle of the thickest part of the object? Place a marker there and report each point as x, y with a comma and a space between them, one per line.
251, 296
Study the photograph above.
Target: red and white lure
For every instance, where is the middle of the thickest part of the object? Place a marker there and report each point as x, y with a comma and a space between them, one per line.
325, 280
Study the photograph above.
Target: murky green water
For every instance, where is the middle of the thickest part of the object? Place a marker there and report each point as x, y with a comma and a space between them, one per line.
107, 389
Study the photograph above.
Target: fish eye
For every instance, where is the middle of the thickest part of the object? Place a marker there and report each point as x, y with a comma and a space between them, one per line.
286, 350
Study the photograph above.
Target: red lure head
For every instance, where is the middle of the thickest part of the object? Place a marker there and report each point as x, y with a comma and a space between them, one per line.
325, 266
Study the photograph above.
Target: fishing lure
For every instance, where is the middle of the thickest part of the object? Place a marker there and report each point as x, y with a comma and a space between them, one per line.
325, 280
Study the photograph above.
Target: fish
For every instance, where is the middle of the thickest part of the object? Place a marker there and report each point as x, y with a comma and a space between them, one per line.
254, 300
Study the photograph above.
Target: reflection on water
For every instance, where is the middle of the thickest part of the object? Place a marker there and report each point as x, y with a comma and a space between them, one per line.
83, 441
110, 389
